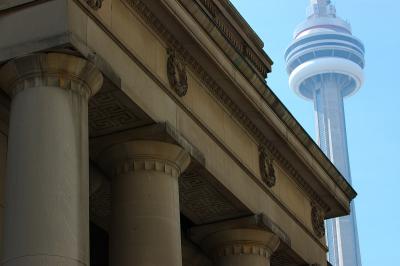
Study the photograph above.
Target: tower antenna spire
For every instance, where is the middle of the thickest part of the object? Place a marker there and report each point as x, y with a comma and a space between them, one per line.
321, 8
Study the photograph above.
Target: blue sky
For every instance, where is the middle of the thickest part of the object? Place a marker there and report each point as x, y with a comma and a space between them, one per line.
372, 115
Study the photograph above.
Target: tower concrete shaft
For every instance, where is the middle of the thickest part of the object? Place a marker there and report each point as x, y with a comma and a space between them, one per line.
342, 236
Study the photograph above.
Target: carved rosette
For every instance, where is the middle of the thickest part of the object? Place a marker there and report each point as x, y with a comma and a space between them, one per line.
318, 220
95, 4
267, 168
176, 71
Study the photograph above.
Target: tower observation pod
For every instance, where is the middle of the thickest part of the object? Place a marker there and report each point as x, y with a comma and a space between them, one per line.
325, 63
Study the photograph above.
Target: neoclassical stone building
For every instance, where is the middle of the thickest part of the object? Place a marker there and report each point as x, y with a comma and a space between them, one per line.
142, 132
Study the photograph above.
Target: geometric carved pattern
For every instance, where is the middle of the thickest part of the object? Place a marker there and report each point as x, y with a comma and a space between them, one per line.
202, 202
111, 110
106, 112
282, 258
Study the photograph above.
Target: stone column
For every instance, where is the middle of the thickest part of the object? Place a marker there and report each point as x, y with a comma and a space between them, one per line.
145, 223
47, 183
240, 247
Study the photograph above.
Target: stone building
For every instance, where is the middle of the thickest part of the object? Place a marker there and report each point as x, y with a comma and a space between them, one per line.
142, 132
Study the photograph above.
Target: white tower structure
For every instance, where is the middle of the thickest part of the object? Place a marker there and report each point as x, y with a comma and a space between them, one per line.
325, 63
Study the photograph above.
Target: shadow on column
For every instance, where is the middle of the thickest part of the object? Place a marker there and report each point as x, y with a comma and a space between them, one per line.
98, 246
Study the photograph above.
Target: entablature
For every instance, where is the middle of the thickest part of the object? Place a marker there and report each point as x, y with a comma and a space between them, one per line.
254, 106
262, 115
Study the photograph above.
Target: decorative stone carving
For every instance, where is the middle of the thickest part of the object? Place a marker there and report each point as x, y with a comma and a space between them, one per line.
112, 111
108, 113
95, 4
176, 71
317, 220
267, 168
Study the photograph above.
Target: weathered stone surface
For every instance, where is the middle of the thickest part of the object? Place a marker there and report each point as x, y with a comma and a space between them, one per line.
46, 218
220, 114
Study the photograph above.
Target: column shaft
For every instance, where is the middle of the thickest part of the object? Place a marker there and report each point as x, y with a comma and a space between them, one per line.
145, 220
47, 184
145, 223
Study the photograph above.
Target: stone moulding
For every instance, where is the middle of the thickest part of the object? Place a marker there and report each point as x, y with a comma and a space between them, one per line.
176, 72
234, 37
50, 69
147, 164
266, 168
146, 14
245, 248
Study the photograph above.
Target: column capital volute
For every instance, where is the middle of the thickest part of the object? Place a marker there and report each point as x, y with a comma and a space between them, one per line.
144, 155
50, 69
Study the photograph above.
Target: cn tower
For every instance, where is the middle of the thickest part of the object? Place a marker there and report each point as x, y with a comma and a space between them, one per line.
325, 63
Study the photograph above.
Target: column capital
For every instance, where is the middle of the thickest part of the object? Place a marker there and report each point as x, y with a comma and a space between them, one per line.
144, 155
245, 241
237, 242
50, 69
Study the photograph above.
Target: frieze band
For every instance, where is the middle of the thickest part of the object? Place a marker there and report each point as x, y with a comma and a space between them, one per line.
147, 15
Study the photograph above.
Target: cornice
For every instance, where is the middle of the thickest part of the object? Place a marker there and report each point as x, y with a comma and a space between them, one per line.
242, 44
242, 22
267, 95
242, 52
220, 94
